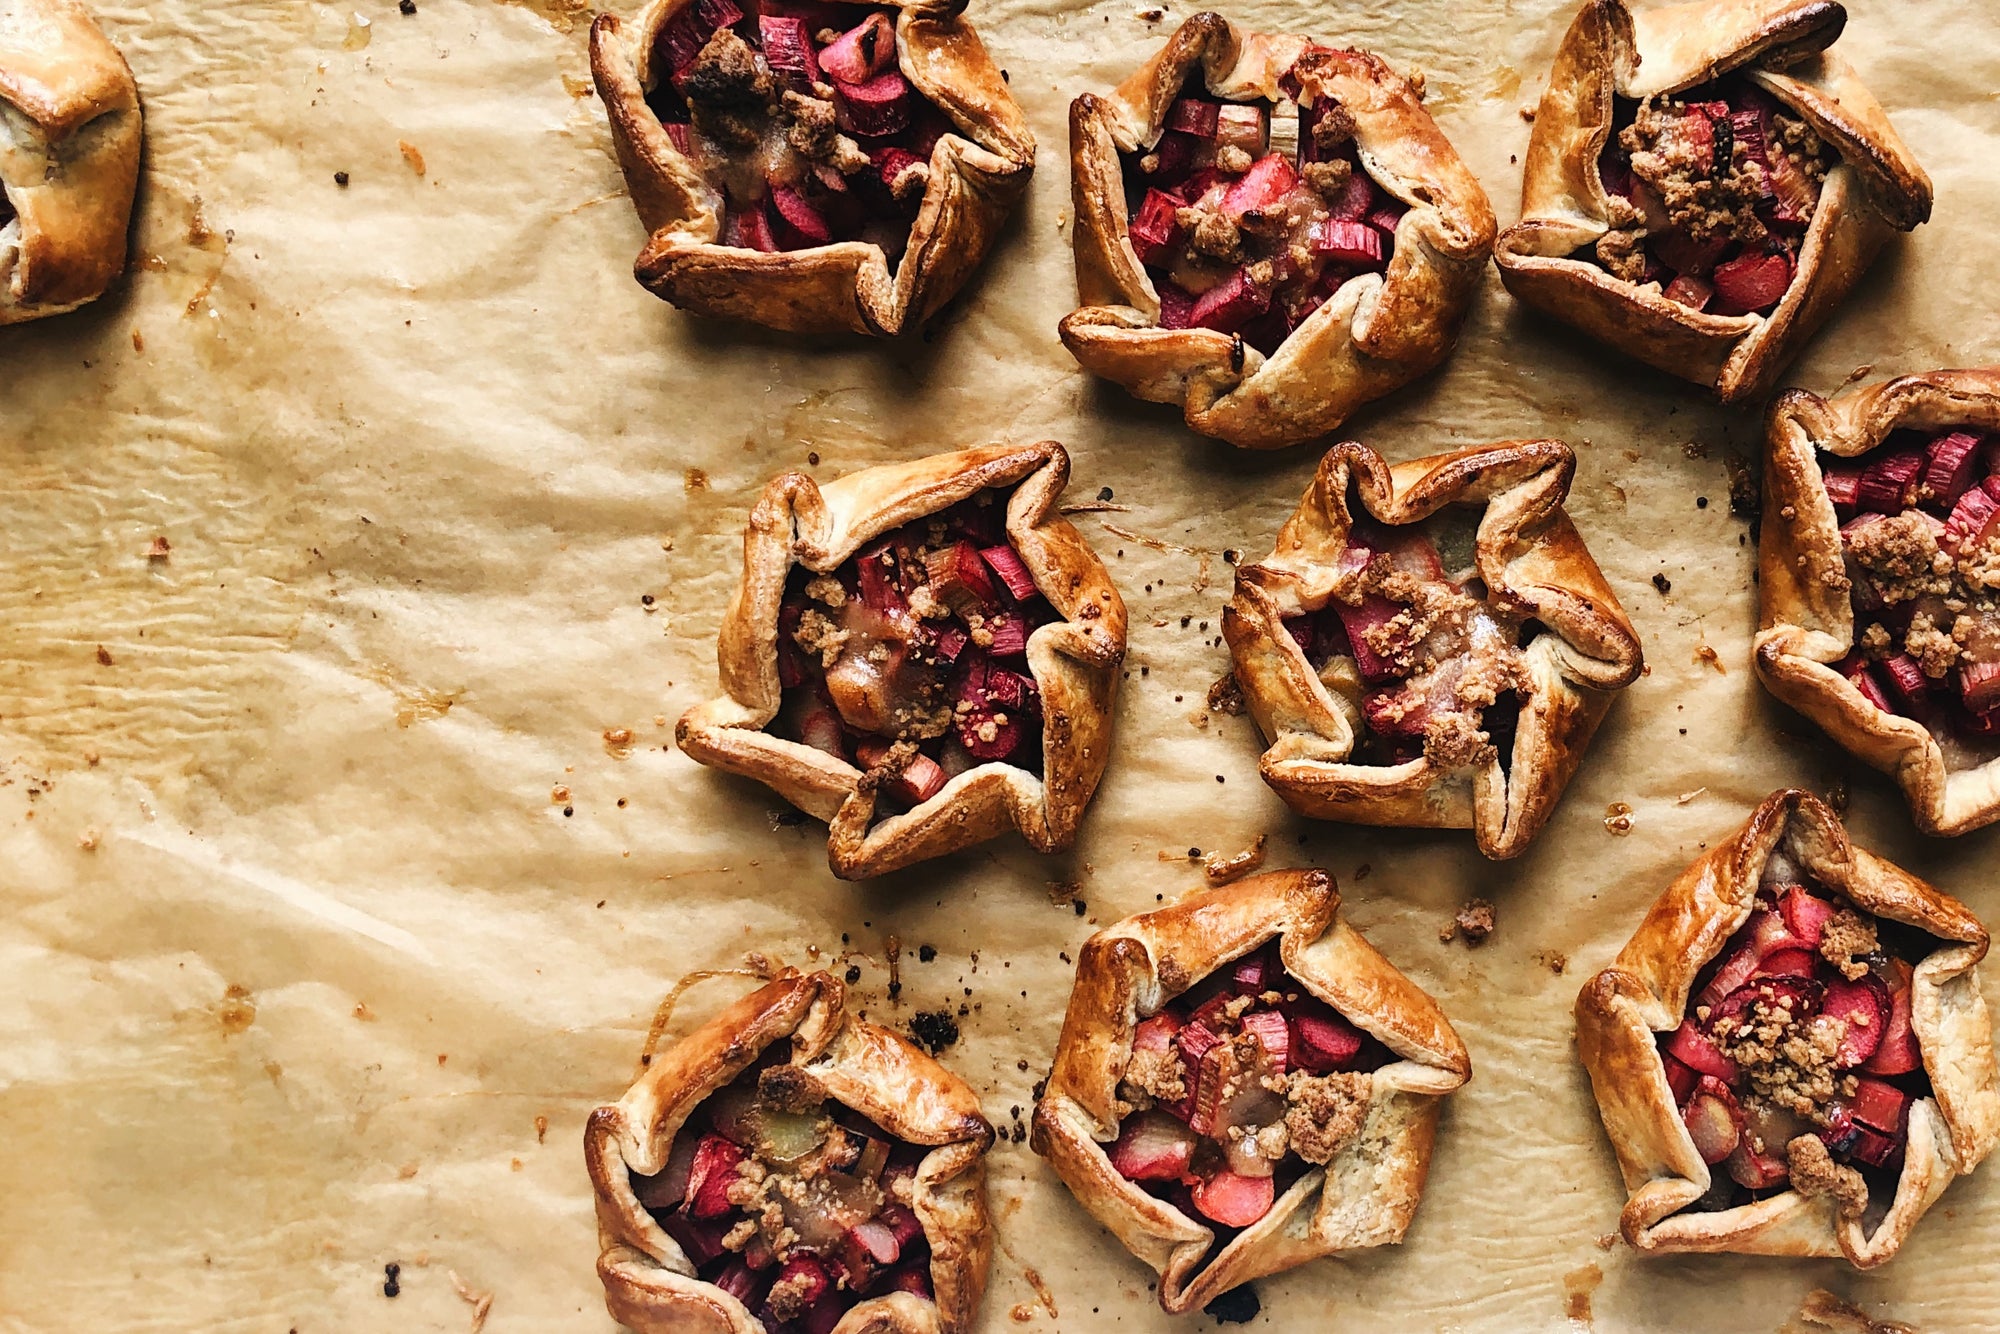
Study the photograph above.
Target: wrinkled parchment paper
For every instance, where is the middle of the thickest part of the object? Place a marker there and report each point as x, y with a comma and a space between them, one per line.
345, 854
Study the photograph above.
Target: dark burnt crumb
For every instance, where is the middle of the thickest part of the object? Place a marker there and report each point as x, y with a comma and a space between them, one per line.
926, 953
812, 458
1005, 77
853, 973
1225, 696
1701, 502
843, 938
1836, 796
646, 599
1231, 555
407, 6
340, 178
1022, 1066
1664, 584
1019, 1133
1474, 921
1238, 1306
1104, 493
1081, 907
933, 1030
1041, 1087
1363, 871
392, 1279
787, 818
1554, 960
1746, 494
568, 811
895, 990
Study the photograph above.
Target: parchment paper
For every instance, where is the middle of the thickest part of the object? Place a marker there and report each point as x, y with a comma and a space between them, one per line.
335, 894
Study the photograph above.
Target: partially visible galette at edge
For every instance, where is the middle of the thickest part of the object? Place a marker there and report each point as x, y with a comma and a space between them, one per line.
811, 165
1430, 643
1880, 581
1704, 184
922, 654
1244, 1084
1791, 1055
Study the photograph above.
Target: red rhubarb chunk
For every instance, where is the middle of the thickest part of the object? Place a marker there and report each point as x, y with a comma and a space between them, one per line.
1352, 243
1979, 686
701, 1241
875, 1240
1356, 200
1843, 484
1713, 1121
1751, 283
1898, 1054
1793, 190
1863, 1005
1387, 215
715, 1164
1883, 1107
1859, 675
750, 230
1156, 1032
1268, 1027
1806, 915
788, 46
1152, 1146
1010, 636
1889, 481
1269, 179
1907, 681
1194, 115
1697, 259
1788, 963
1681, 1078
1233, 1200
1690, 291
1156, 229
959, 578
807, 1277
862, 52
1176, 307
913, 1279
1973, 519
1374, 611
1230, 304
1323, 1043
1753, 1170
1951, 465
1691, 1047
879, 107
796, 223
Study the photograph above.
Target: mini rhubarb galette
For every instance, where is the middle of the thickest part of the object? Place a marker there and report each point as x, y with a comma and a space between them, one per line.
1243, 1084
1704, 184
922, 655
70, 128
1269, 233
1791, 1055
1430, 644
789, 1169
1880, 581
811, 166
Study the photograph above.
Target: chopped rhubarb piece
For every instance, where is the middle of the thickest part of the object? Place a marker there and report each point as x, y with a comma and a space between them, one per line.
1006, 563
750, 230
876, 108
797, 224
1765, 933
1692, 1048
1889, 481
1862, 678
920, 780
715, 1164
1787, 963
1322, 1043
822, 729
1399, 711
1244, 125
1002, 689
1269, 179
1882, 1106
1797, 996
877, 582
1194, 115
1387, 215
1374, 612
1843, 484
985, 737
1793, 190
914, 1279
683, 36
1689, 291
1950, 464
1176, 307
805, 1282
1751, 283
1753, 1170
738, 1281
1256, 972
1354, 243
1171, 159
877, 1240
862, 52
1907, 680
1156, 229
1973, 520
1156, 1032
1872, 1147
948, 643
1010, 636
1681, 1078
701, 1241
1230, 304
959, 579
1233, 1200
1713, 1121
1806, 915
1863, 1005
1272, 1034
1898, 1054
1979, 686
1356, 200
1196, 1040
681, 134
788, 46
1746, 127
907, 1229
1152, 1146
1697, 259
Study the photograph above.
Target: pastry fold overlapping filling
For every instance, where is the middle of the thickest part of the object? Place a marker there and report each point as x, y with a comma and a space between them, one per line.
791, 1202
798, 115
1921, 532
1711, 192
1239, 1087
910, 660
1796, 1066
1250, 215
1413, 649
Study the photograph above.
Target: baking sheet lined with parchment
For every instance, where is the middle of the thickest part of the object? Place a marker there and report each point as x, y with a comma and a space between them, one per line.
343, 851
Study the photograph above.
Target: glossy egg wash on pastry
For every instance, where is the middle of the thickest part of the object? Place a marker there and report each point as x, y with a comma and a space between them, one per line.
800, 118
1244, 1084
1920, 528
1250, 215
1711, 190
1410, 643
792, 1203
910, 661
1797, 1066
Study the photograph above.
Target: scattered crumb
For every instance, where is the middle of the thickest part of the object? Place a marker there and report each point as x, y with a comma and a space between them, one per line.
1221, 870
160, 550
1474, 921
1706, 653
104, 658
694, 479
1618, 818
1685, 797
1226, 696
411, 155
1664, 584
541, 1130
1554, 960
1607, 1241
1528, 114
1064, 891
558, 794
480, 1302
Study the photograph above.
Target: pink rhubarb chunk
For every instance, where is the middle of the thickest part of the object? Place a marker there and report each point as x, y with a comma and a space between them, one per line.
1194, 115
1690, 1046
1898, 1054
862, 52
1751, 282
1152, 1146
1863, 1005
1714, 1121
879, 107
1269, 179
1156, 229
1889, 481
1230, 304
1951, 465
1233, 1200
1354, 243
1323, 1043
1374, 611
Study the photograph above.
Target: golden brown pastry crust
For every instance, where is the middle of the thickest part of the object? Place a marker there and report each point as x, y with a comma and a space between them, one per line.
1875, 191
1365, 1196
1378, 332
1074, 661
976, 175
650, 1285
1806, 612
69, 158
1533, 562
1645, 992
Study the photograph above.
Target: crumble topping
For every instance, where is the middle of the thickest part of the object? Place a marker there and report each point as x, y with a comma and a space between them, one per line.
1845, 940
728, 95
1787, 1061
1814, 1172
1324, 1113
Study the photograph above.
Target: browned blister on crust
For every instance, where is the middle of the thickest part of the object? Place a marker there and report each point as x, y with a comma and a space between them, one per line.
977, 174
1365, 1196
1876, 190
649, 1283
69, 159
1074, 660
1375, 334
1806, 611
1534, 565
1645, 992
